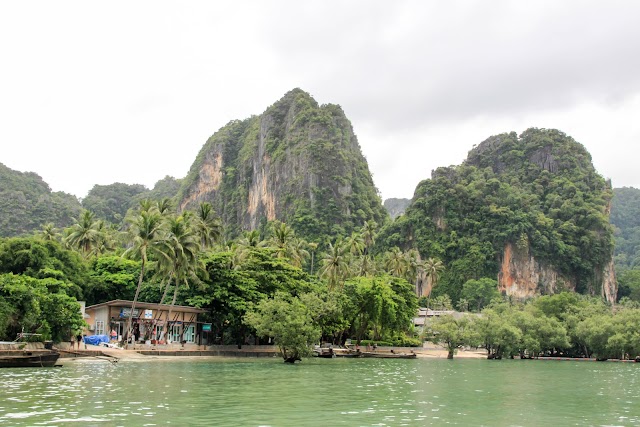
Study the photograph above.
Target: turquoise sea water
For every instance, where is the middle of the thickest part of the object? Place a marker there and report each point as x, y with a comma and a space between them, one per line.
322, 392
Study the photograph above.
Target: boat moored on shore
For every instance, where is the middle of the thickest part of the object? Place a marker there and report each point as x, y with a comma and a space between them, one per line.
29, 359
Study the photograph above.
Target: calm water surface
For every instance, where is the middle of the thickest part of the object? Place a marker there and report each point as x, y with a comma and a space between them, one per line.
319, 392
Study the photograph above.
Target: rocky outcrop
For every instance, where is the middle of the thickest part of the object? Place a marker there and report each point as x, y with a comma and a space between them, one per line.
209, 178
609, 289
396, 207
298, 162
522, 276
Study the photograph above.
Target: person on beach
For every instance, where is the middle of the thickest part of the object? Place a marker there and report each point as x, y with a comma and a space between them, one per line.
114, 335
79, 339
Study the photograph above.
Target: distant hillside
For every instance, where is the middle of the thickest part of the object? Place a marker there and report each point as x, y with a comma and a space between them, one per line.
529, 210
27, 202
298, 162
111, 202
396, 207
625, 216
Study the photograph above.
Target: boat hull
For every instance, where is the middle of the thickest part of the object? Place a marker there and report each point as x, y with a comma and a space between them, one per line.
29, 360
390, 355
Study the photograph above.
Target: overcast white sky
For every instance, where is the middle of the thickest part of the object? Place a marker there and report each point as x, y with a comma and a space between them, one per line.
129, 91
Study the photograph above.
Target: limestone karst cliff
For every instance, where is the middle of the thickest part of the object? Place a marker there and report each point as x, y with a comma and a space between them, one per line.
298, 162
529, 210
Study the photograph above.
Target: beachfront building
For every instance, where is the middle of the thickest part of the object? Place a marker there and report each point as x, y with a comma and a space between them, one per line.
150, 322
424, 314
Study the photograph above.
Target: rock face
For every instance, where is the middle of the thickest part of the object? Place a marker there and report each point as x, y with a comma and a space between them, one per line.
609, 289
298, 162
396, 207
522, 276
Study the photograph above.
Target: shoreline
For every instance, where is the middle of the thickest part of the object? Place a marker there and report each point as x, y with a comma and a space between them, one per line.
249, 352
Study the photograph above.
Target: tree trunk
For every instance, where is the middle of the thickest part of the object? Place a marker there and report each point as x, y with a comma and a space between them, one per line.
173, 302
312, 256
127, 333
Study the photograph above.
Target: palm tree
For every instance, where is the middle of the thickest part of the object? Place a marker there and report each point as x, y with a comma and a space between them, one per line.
182, 263
366, 266
146, 205
396, 262
335, 265
281, 239
49, 232
415, 269
145, 230
355, 243
241, 249
164, 206
208, 226
368, 232
105, 241
299, 252
84, 234
433, 268
250, 239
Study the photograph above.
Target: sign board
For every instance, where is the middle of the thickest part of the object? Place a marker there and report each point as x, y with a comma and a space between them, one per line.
206, 327
148, 314
124, 312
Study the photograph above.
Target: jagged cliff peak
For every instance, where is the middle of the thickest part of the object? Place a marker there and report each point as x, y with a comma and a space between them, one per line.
550, 150
298, 162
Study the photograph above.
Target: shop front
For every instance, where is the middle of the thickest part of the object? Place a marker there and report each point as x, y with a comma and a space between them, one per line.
150, 323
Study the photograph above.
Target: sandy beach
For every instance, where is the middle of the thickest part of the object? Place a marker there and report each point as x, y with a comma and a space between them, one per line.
131, 355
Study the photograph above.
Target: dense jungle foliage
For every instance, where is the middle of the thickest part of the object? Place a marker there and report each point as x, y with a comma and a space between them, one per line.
537, 191
160, 256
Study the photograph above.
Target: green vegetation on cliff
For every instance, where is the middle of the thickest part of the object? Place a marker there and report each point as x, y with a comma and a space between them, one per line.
625, 217
27, 203
111, 202
538, 192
